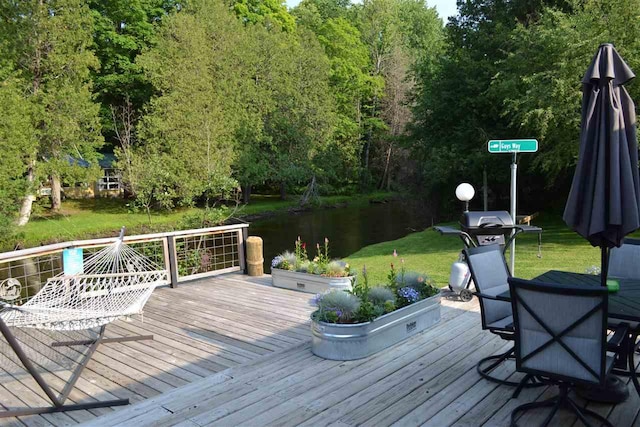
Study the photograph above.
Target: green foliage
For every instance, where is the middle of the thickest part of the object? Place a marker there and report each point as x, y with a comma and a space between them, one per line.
270, 13
367, 312
339, 305
186, 135
392, 278
18, 144
380, 295
361, 287
122, 30
513, 70
208, 217
421, 283
321, 264
47, 46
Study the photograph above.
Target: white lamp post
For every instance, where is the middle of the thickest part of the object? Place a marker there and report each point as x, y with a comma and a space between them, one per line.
464, 193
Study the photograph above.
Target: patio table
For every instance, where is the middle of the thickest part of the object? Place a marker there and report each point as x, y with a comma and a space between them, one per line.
624, 306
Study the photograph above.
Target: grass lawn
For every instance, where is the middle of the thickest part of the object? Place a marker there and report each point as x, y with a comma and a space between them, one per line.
431, 253
92, 218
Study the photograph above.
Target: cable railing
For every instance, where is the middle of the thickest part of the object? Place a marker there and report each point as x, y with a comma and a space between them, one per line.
187, 254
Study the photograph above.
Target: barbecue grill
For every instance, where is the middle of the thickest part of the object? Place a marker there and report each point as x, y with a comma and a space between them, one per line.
482, 228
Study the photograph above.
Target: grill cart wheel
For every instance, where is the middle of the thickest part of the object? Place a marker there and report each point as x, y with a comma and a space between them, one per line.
466, 295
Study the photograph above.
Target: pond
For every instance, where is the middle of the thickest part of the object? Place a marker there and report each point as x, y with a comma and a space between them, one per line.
348, 228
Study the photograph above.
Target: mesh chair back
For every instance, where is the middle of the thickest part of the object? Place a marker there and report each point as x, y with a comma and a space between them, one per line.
624, 262
560, 331
490, 273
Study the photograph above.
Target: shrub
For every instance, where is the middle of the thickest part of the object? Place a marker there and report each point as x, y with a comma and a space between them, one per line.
338, 305
336, 269
306, 267
379, 295
286, 261
420, 282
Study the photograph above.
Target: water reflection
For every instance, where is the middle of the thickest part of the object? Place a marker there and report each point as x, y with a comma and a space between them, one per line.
348, 229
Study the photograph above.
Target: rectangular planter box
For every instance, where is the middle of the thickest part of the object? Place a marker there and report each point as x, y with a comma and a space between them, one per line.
355, 341
312, 283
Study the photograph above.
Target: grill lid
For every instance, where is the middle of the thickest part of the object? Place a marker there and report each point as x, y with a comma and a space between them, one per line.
486, 219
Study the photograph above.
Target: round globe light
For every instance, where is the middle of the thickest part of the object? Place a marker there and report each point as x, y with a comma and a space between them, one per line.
465, 192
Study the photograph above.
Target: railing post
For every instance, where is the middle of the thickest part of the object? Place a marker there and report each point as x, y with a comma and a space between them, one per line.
173, 260
242, 248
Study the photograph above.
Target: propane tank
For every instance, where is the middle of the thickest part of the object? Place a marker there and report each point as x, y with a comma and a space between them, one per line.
459, 276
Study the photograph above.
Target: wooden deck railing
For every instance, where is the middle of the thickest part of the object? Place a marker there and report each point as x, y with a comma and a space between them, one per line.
187, 254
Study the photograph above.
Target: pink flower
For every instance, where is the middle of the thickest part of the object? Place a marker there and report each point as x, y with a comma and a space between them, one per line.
395, 253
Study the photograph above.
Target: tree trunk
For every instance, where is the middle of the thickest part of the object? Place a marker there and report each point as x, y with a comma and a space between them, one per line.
27, 202
389, 181
283, 191
246, 193
55, 193
385, 175
25, 210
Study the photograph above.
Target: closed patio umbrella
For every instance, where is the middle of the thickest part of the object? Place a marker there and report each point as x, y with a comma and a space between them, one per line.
604, 201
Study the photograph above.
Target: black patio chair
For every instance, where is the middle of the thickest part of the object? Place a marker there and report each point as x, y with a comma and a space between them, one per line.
624, 262
561, 337
490, 275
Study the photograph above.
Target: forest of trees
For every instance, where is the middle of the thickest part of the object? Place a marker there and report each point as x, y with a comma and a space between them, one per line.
198, 98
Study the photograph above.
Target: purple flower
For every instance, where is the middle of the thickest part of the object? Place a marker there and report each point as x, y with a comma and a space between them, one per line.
317, 298
339, 313
409, 294
275, 263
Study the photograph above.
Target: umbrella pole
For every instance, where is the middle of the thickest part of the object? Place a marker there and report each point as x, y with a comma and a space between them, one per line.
604, 265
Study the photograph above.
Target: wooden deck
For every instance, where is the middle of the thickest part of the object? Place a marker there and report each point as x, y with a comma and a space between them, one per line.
233, 351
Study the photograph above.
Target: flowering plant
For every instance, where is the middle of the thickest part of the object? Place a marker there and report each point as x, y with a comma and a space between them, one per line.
321, 264
365, 303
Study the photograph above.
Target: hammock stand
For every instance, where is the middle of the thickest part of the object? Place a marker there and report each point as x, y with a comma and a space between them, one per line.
117, 281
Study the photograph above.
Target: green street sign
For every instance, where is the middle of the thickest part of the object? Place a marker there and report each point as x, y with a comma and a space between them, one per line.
513, 146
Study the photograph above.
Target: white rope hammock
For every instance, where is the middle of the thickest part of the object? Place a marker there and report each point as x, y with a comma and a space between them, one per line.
117, 281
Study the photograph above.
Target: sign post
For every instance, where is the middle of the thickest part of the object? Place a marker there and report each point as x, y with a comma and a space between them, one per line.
513, 146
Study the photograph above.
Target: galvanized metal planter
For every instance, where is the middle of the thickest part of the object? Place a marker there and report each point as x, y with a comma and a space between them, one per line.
312, 283
355, 341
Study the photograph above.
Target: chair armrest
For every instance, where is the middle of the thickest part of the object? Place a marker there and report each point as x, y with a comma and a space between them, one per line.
619, 335
446, 230
528, 228
491, 297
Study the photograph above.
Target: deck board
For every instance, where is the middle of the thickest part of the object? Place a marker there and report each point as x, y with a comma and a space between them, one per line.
233, 350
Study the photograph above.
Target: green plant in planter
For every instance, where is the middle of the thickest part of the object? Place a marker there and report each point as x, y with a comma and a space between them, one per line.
421, 283
408, 287
321, 264
336, 306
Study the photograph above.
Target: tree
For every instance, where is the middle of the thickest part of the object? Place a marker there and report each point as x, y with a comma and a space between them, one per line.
186, 138
18, 144
50, 49
302, 120
542, 95
122, 30
456, 111
352, 87
269, 13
